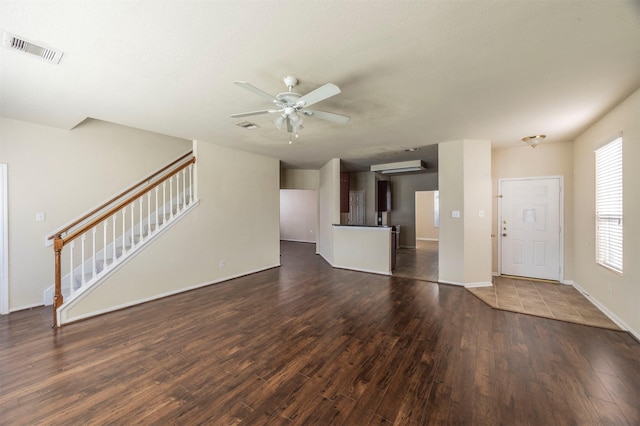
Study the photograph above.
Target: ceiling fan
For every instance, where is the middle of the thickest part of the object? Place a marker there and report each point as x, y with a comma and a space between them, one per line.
290, 106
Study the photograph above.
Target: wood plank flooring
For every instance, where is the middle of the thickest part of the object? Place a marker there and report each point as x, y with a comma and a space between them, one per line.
307, 344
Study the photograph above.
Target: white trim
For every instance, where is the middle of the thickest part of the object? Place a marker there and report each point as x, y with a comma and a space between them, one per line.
25, 307
4, 241
368, 271
450, 283
560, 219
297, 241
63, 319
495, 274
479, 284
613, 317
568, 282
427, 239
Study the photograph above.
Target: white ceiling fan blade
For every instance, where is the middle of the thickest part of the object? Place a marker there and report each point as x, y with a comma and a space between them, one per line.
329, 116
320, 94
247, 114
255, 90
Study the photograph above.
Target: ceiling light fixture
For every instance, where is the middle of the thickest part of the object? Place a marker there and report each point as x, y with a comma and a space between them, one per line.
533, 141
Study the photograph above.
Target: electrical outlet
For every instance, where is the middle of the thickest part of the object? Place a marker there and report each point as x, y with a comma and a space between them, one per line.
40, 217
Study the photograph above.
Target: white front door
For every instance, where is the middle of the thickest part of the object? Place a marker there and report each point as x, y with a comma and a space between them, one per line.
530, 232
356, 208
4, 247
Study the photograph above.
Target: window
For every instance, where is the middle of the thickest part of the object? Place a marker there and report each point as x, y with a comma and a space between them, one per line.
609, 218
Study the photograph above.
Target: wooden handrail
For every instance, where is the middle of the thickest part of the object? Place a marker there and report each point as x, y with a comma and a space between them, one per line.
59, 232
75, 234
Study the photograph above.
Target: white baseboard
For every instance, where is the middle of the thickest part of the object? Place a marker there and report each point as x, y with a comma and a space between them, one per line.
427, 239
479, 284
450, 283
368, 271
297, 241
613, 317
495, 274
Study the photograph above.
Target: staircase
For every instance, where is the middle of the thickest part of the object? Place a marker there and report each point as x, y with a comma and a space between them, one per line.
93, 246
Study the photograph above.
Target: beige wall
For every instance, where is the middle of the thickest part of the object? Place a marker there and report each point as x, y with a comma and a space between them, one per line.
299, 179
329, 207
425, 228
465, 186
64, 173
623, 298
545, 160
237, 221
298, 215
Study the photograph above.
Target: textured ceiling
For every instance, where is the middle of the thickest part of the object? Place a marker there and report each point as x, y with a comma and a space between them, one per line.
412, 73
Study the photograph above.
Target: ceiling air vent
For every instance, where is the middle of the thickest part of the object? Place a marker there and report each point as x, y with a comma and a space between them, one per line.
248, 125
46, 53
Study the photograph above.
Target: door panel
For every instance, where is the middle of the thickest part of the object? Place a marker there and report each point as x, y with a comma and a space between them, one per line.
530, 228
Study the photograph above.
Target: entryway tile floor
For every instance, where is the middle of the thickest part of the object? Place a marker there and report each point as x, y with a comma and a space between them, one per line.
543, 299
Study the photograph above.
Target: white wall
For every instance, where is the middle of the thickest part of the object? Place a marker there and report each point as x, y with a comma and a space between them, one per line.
329, 207
465, 186
64, 173
237, 222
623, 302
545, 160
298, 215
425, 227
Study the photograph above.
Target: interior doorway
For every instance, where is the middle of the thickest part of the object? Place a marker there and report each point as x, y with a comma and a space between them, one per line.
421, 261
356, 208
530, 227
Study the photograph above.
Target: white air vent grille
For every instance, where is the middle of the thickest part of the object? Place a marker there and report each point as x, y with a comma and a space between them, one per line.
14, 42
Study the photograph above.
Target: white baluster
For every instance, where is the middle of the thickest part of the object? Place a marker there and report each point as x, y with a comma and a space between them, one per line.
191, 183
184, 188
140, 224
148, 213
104, 245
133, 227
124, 232
157, 212
113, 239
82, 239
171, 196
164, 201
71, 276
93, 256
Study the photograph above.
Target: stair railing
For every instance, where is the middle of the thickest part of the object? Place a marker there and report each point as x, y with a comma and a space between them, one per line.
143, 209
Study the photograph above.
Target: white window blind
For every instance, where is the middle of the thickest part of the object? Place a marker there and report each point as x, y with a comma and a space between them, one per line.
609, 217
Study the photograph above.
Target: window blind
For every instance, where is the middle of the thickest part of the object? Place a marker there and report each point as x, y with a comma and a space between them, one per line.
609, 215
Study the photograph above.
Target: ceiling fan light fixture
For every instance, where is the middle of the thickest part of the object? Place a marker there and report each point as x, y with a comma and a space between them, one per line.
533, 141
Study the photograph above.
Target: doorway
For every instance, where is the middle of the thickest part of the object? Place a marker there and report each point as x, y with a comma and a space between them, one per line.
420, 262
530, 232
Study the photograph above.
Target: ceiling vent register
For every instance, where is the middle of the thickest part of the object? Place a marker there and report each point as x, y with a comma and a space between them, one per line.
46, 53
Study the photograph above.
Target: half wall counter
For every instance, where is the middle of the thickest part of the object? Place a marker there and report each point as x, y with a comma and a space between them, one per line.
363, 248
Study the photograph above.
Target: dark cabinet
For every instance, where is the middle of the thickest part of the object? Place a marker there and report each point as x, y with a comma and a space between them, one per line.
383, 199
344, 192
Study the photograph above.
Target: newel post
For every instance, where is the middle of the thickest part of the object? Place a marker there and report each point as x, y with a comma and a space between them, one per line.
58, 243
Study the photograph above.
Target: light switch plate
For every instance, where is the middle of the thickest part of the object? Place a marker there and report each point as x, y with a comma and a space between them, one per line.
455, 213
40, 217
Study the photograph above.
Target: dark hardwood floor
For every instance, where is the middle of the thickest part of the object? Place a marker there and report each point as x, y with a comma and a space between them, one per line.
308, 344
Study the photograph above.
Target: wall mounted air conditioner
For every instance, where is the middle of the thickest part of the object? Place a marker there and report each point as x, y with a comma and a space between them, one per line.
399, 167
